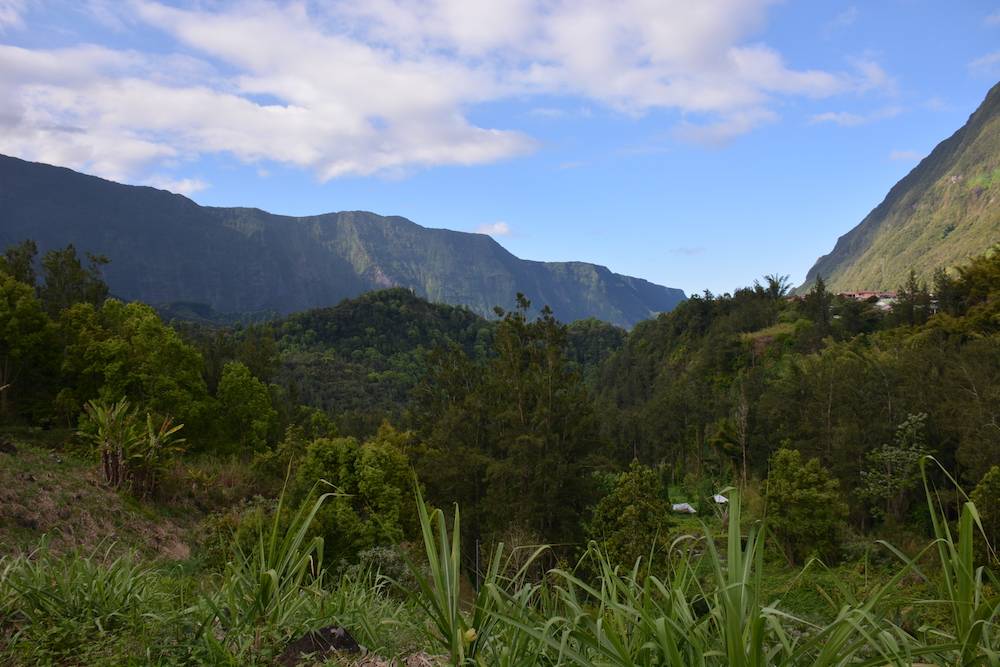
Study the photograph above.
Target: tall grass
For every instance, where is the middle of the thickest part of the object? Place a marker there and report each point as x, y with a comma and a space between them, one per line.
707, 610
462, 633
706, 607
75, 605
973, 606
270, 591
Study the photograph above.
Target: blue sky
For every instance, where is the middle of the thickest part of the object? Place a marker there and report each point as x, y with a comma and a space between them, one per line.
696, 144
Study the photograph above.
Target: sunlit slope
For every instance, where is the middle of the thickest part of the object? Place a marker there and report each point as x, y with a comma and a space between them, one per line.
942, 213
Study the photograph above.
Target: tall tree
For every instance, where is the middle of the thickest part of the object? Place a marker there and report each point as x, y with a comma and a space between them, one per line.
818, 304
776, 286
246, 407
374, 486
894, 469
514, 437
26, 337
633, 520
913, 301
67, 281
18, 261
124, 349
804, 505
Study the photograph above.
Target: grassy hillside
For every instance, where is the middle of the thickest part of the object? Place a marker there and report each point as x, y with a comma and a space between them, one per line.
58, 496
942, 213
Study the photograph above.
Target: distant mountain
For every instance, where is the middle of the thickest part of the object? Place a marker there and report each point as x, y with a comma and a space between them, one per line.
942, 213
165, 248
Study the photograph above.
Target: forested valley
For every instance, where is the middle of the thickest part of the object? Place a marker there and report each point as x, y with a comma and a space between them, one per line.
500, 491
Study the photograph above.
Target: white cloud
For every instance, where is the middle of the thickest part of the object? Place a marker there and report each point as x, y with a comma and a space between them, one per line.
385, 86
849, 119
721, 132
986, 64
184, 186
993, 19
494, 229
12, 13
843, 118
871, 76
905, 155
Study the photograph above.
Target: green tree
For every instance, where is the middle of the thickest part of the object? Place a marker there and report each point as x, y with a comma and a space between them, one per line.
633, 520
245, 404
374, 487
125, 350
818, 304
804, 505
913, 302
513, 438
946, 293
67, 281
26, 337
986, 496
893, 471
18, 261
776, 286
258, 351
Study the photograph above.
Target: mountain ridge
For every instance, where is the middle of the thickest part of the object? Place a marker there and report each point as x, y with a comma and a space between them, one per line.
166, 248
943, 212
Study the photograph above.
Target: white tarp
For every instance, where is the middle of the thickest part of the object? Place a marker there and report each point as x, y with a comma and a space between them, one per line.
684, 507
720, 499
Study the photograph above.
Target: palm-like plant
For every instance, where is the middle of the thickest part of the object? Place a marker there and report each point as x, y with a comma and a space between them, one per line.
114, 437
157, 446
132, 454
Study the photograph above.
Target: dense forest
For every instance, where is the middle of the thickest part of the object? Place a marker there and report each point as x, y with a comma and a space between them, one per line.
304, 439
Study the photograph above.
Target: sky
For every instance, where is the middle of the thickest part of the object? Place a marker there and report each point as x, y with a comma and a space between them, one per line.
699, 145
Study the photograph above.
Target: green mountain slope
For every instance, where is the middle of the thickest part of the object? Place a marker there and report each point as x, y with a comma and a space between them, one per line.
942, 213
165, 248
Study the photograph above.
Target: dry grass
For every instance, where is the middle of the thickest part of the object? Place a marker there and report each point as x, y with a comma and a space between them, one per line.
44, 493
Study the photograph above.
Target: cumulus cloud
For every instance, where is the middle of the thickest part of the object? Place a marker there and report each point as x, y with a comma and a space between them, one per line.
848, 119
905, 155
494, 229
386, 86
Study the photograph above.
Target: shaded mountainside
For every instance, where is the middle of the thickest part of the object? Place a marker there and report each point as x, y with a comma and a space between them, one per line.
165, 248
942, 213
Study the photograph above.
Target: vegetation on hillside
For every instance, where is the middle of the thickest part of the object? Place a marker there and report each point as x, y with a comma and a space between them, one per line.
200, 261
548, 455
940, 215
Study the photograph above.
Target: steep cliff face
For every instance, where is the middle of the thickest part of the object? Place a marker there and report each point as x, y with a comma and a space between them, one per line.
165, 248
942, 213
